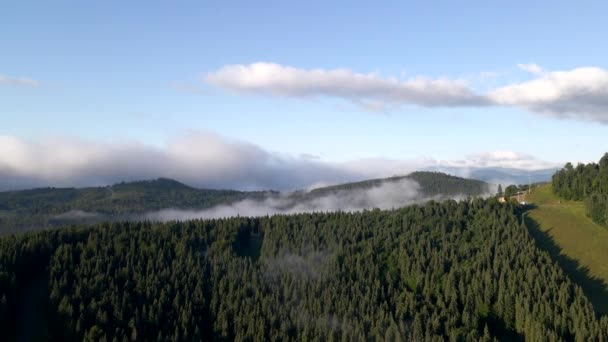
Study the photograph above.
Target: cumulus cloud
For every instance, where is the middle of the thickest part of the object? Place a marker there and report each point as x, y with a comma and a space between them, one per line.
275, 79
580, 93
205, 160
18, 81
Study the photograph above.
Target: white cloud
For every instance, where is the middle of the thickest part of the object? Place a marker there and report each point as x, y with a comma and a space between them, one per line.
18, 81
531, 68
204, 160
275, 79
580, 93
199, 159
501, 159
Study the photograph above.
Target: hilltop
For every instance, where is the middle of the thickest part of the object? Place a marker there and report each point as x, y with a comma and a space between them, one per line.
431, 184
43, 207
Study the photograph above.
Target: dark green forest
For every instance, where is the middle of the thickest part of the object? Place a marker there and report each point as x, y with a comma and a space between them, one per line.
588, 183
464, 270
43, 208
117, 199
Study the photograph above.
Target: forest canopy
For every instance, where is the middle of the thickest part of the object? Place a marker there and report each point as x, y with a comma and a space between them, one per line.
464, 270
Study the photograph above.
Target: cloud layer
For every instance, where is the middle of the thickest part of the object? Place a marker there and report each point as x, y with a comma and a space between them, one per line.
580, 93
204, 160
199, 159
500, 159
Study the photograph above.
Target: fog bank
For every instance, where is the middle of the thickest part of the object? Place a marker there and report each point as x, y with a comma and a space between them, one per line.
388, 195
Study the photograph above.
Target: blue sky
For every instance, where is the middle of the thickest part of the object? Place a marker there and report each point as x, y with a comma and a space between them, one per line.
137, 72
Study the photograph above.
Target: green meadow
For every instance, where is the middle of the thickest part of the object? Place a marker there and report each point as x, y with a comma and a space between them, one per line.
578, 244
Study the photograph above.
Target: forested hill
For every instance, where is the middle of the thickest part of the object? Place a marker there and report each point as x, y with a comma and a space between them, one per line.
458, 271
431, 184
44, 207
120, 198
51, 207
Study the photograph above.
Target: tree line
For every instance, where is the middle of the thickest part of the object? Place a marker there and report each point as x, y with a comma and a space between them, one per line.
588, 183
464, 270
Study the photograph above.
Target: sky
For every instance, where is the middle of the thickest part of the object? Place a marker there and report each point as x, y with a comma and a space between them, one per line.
275, 94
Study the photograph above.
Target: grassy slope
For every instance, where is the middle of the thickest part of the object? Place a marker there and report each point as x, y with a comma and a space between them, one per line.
576, 242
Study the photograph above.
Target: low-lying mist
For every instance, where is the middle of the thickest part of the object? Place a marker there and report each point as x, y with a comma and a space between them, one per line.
387, 195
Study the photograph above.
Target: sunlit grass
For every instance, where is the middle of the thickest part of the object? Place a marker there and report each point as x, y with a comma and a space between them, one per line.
577, 235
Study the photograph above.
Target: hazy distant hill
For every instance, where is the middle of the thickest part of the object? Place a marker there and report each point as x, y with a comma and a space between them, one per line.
46, 207
431, 184
39, 208
500, 174
118, 198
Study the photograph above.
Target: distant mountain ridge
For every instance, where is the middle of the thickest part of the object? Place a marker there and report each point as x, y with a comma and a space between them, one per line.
49, 207
114, 199
502, 175
431, 184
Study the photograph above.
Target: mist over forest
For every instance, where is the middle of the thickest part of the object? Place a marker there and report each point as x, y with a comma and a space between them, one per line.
303, 171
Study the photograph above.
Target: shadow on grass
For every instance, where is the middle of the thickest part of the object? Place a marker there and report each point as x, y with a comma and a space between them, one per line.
594, 288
